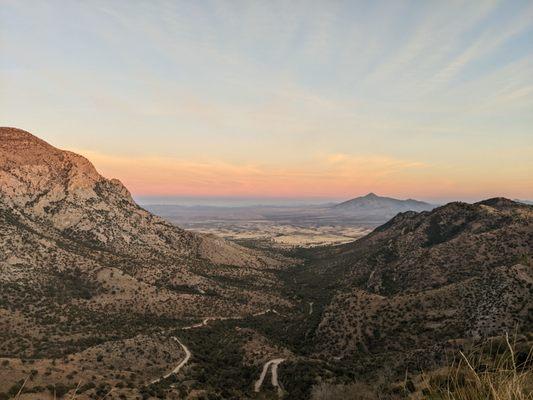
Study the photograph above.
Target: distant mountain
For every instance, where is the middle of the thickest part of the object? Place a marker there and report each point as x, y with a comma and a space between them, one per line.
528, 202
381, 207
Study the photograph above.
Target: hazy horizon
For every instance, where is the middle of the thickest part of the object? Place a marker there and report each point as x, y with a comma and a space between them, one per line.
230, 201
243, 201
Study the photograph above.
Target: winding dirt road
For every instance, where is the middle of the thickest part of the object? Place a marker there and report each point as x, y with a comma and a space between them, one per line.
274, 370
204, 322
188, 355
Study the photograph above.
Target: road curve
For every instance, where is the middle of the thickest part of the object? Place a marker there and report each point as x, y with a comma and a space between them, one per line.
275, 381
188, 355
274, 363
206, 320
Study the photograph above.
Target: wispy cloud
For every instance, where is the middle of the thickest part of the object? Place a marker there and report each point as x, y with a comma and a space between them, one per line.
327, 175
264, 92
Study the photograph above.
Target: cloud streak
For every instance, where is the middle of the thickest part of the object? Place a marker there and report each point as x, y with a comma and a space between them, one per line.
276, 88
330, 175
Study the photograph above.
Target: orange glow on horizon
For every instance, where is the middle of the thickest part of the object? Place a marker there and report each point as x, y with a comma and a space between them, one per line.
331, 176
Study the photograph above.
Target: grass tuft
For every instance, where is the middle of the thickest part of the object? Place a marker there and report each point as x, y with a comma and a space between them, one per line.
498, 372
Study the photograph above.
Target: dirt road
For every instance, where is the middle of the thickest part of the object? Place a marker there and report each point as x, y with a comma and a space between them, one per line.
188, 355
274, 370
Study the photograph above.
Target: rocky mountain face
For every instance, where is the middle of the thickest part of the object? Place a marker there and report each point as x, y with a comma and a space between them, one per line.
377, 207
81, 262
417, 251
461, 271
64, 191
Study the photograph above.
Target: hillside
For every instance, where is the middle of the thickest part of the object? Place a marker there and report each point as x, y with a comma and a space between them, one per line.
81, 264
405, 291
416, 251
64, 191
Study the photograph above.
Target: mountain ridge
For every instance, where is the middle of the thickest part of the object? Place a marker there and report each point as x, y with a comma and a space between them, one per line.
378, 207
459, 271
65, 190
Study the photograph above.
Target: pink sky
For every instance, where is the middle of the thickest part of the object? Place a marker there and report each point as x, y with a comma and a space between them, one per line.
333, 176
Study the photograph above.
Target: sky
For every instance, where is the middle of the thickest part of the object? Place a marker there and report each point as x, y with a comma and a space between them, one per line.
285, 99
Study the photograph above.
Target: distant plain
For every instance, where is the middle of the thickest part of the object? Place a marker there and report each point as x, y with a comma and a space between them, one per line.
279, 226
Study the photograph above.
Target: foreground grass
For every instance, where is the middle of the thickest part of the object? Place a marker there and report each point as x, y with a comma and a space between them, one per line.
495, 371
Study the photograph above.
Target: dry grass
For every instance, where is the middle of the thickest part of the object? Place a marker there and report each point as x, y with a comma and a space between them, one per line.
508, 375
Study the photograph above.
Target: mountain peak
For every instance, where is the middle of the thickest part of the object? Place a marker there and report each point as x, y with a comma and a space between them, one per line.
64, 191
380, 207
21, 149
33, 171
18, 138
499, 202
7, 132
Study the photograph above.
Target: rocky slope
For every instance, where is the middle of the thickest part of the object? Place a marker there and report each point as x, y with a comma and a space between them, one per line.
461, 271
63, 190
416, 251
82, 264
